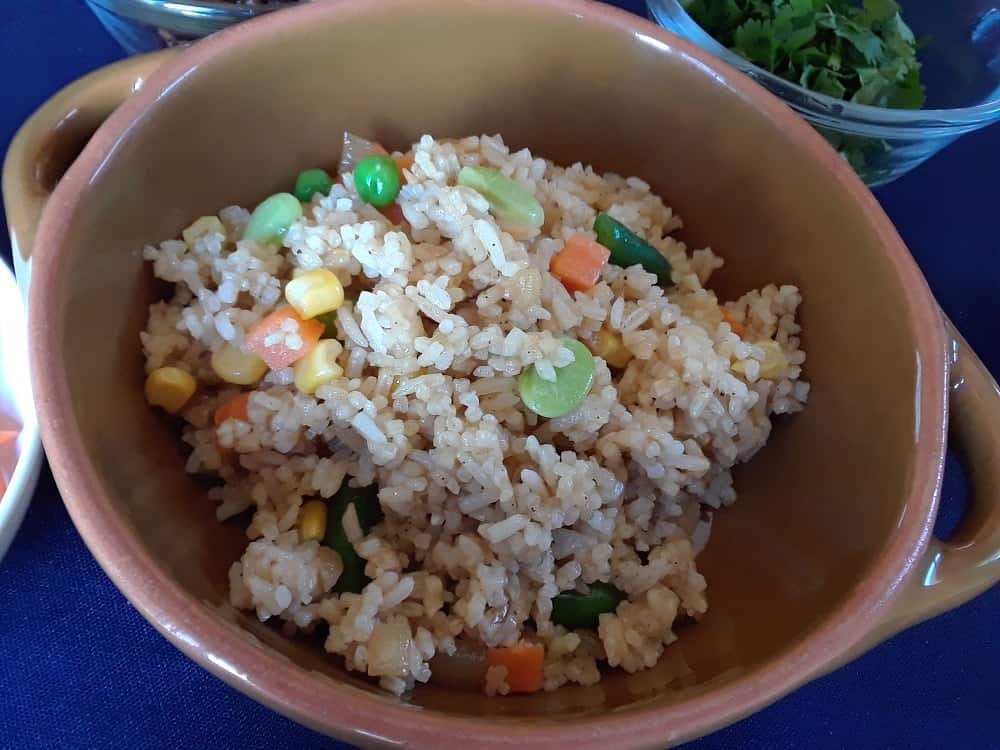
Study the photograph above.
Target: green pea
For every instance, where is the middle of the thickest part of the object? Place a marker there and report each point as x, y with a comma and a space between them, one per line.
574, 610
310, 182
629, 249
572, 384
377, 179
510, 202
369, 512
271, 219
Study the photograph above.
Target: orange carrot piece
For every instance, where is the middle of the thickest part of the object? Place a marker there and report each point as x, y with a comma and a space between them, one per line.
403, 162
269, 341
737, 327
524, 665
578, 265
393, 213
234, 408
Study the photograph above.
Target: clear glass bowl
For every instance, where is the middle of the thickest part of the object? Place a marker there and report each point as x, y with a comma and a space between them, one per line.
147, 25
961, 70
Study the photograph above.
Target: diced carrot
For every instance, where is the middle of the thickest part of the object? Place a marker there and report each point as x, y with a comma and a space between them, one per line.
524, 665
234, 408
269, 339
393, 213
737, 327
578, 265
403, 162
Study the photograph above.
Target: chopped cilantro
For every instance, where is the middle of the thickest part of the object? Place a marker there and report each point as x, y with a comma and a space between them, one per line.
864, 53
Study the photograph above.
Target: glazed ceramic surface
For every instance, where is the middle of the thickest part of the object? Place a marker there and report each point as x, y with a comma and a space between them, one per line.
828, 549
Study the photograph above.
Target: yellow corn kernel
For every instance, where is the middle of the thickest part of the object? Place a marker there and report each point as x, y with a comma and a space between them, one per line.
775, 360
312, 521
201, 227
319, 366
314, 292
169, 388
773, 364
234, 365
610, 347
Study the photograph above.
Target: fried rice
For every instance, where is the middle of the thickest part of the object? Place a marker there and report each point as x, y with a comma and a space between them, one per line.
488, 511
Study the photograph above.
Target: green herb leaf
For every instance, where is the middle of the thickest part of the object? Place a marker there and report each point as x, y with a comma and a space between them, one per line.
901, 30
864, 40
859, 51
715, 14
880, 11
827, 83
909, 93
755, 41
808, 57
792, 28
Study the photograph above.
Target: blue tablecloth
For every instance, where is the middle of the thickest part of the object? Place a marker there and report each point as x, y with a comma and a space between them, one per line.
79, 668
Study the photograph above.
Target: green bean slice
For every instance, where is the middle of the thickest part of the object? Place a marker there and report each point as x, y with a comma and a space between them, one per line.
629, 249
369, 512
574, 610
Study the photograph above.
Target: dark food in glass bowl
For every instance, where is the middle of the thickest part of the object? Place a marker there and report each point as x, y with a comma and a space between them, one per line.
863, 53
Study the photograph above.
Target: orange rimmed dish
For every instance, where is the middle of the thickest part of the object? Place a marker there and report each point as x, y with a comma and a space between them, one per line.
829, 549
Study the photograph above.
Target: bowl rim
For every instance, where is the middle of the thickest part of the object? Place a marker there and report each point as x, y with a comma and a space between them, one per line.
191, 19
17, 496
368, 718
840, 114
198, 8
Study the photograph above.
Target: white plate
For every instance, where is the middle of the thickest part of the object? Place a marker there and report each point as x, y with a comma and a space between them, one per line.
22, 271
20, 460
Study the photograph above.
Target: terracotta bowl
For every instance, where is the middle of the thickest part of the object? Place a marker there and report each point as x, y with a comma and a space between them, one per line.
828, 550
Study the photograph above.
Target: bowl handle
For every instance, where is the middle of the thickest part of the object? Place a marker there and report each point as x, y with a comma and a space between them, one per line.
950, 573
51, 139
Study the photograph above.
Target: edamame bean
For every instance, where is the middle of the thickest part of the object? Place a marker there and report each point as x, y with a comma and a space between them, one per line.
510, 202
572, 384
271, 219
